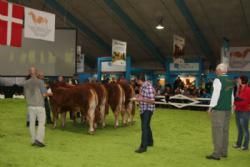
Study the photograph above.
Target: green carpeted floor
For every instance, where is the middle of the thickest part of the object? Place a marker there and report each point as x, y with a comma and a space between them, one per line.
182, 139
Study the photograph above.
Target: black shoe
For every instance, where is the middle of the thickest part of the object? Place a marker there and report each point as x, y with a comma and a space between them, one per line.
224, 156
49, 122
27, 124
151, 145
39, 144
236, 146
140, 150
212, 157
244, 148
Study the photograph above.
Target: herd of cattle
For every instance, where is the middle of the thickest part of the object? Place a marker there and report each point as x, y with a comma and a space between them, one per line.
93, 100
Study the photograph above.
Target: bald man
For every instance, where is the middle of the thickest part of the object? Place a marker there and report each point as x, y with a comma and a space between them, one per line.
35, 91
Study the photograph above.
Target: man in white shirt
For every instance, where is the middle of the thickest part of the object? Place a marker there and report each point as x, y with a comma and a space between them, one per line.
220, 110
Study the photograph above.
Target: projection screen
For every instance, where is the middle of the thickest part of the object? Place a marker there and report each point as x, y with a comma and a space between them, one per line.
53, 58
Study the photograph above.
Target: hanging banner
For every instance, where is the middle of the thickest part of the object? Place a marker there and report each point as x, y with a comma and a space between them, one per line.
225, 51
239, 58
80, 63
39, 25
178, 49
225, 55
119, 49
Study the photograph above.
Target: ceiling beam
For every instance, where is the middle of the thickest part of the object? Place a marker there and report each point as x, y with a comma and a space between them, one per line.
204, 45
82, 27
77, 22
136, 30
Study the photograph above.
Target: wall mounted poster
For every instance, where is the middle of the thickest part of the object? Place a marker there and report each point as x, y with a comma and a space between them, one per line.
119, 49
239, 59
178, 49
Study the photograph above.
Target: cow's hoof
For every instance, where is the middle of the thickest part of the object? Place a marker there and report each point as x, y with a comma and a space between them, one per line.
125, 124
91, 132
132, 123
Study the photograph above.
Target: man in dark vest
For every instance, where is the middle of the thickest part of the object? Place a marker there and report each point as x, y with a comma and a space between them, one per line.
220, 110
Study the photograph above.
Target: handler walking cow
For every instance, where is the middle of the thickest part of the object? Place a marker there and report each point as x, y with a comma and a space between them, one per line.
35, 91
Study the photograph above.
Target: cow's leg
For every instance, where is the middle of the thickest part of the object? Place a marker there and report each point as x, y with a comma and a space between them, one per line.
116, 114
74, 118
83, 117
133, 112
63, 118
91, 119
55, 116
123, 113
54, 119
102, 113
129, 112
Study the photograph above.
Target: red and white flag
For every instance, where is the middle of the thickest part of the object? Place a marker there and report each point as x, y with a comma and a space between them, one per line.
11, 24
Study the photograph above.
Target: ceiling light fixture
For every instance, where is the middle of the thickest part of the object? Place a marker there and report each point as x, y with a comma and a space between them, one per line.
160, 25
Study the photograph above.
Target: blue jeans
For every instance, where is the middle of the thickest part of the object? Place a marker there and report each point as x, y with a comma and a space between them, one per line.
242, 122
146, 137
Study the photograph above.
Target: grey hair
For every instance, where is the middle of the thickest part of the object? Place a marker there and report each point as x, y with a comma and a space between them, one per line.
222, 67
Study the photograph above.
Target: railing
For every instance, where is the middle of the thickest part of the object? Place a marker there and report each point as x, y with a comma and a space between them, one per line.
2, 96
14, 96
181, 101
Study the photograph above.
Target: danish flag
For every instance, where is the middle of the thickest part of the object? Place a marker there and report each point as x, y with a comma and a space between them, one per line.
11, 24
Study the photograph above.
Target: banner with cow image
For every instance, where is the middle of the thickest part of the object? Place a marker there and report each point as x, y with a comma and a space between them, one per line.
178, 49
239, 58
39, 25
119, 49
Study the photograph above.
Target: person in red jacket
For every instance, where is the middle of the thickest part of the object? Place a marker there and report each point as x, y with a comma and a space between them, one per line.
242, 113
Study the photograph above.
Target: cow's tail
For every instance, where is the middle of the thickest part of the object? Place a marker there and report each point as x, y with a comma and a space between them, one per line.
93, 102
103, 106
122, 107
133, 102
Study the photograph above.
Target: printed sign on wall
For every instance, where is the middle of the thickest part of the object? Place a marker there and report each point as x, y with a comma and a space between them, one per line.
39, 25
178, 49
107, 66
119, 49
239, 59
184, 67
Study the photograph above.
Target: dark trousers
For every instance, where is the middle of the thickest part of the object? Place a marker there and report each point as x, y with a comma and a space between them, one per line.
242, 122
47, 109
146, 136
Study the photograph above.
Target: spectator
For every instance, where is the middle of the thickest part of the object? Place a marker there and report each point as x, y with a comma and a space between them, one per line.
178, 83
242, 113
220, 107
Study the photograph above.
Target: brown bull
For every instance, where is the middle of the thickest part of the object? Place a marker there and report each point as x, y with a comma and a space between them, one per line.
102, 95
129, 105
116, 100
82, 97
